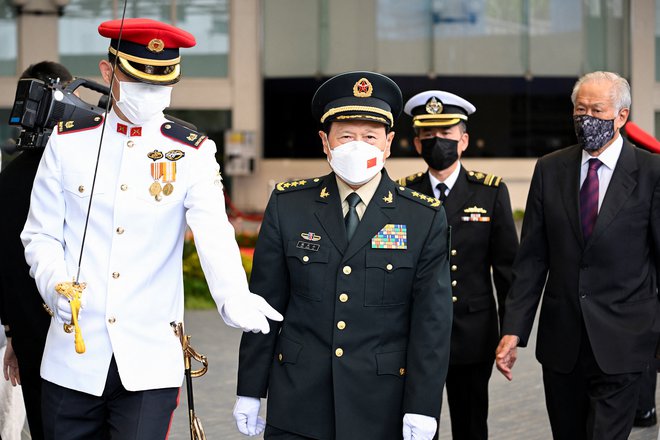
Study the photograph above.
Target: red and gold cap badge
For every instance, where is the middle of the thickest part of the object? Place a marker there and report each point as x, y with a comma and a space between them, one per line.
362, 88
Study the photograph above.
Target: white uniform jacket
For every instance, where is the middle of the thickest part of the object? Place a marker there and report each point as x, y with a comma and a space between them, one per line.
132, 261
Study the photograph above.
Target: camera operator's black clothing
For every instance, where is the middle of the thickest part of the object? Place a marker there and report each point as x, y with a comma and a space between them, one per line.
20, 303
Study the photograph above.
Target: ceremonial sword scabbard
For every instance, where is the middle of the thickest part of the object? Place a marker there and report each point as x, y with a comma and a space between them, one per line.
196, 429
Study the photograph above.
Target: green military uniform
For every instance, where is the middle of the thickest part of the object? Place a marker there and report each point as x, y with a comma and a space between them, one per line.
365, 336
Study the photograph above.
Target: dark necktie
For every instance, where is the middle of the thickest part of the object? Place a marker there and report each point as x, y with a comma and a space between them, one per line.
442, 188
351, 220
589, 199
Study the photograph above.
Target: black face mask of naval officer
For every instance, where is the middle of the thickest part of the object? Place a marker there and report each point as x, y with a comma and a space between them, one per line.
439, 153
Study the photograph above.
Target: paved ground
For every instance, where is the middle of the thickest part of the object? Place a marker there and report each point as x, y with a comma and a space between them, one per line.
517, 408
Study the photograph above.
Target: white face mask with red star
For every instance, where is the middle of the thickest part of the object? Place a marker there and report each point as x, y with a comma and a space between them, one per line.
356, 162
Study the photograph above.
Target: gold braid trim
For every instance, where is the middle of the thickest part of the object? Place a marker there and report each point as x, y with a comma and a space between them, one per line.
358, 108
149, 77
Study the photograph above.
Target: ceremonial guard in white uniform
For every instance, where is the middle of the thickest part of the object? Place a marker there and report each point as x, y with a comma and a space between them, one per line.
154, 176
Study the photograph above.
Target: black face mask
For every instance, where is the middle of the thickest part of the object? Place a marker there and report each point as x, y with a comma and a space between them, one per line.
439, 153
592, 133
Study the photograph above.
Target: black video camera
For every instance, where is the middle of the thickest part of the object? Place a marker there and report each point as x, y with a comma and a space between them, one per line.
38, 107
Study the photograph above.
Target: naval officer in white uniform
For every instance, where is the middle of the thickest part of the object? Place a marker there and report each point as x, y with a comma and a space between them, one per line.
154, 177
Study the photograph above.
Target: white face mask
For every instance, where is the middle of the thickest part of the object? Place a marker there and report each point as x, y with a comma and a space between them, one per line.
356, 162
141, 102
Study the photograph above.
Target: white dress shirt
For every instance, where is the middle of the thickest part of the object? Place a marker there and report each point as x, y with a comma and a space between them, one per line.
450, 181
609, 158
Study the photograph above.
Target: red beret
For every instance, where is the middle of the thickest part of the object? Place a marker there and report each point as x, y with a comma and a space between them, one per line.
144, 30
147, 50
641, 138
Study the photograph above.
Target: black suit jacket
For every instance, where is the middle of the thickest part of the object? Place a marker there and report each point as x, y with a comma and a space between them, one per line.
389, 310
477, 248
20, 303
608, 282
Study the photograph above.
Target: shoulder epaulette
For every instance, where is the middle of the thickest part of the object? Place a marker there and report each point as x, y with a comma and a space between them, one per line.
80, 124
419, 197
183, 134
484, 179
413, 178
294, 185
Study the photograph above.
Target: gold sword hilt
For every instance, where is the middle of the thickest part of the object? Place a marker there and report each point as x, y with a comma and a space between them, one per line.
73, 292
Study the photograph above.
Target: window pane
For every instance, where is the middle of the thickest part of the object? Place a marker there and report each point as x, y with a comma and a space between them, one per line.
8, 38
208, 21
292, 33
81, 47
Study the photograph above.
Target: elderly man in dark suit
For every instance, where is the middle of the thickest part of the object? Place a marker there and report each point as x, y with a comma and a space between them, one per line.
21, 307
591, 236
359, 267
484, 244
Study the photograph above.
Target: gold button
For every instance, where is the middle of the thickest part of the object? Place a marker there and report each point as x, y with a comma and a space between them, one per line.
453, 283
389, 266
347, 270
339, 352
341, 325
305, 258
81, 189
402, 371
471, 173
112, 320
402, 188
130, 144
115, 275
280, 357
454, 299
453, 252
120, 230
454, 268
343, 297
124, 187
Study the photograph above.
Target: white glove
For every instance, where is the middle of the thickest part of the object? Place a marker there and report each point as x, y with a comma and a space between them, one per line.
418, 427
249, 312
63, 309
246, 414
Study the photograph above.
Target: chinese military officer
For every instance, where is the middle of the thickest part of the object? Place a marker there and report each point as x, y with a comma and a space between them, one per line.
483, 239
154, 176
358, 266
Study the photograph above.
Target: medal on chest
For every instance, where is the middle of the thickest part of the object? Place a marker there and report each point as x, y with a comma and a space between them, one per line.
164, 176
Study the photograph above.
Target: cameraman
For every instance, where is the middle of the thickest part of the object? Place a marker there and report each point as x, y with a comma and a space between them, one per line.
21, 308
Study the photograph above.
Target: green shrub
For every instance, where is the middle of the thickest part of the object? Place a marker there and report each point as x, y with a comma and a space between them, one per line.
196, 290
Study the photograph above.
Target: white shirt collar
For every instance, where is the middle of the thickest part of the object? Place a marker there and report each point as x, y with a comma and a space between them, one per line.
450, 181
610, 156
